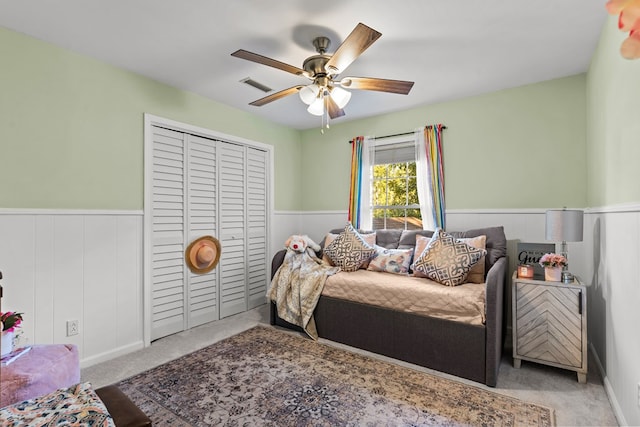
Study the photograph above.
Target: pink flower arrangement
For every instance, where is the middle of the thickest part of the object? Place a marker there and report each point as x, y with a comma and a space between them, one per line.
628, 12
10, 321
553, 260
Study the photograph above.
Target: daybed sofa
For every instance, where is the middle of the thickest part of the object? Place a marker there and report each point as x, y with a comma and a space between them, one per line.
460, 348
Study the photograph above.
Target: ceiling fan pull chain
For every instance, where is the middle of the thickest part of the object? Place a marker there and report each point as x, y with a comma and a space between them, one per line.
326, 109
322, 121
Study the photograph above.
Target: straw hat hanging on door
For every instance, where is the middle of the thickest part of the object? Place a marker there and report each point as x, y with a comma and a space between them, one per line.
203, 254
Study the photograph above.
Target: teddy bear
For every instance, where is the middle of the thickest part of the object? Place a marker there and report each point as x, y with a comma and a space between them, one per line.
302, 243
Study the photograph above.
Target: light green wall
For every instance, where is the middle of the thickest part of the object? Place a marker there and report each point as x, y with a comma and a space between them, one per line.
71, 130
613, 124
516, 148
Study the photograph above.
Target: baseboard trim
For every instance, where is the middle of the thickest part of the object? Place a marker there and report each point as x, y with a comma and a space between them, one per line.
617, 411
111, 354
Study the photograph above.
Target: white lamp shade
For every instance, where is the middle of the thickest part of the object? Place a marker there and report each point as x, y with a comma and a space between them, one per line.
309, 93
340, 96
564, 225
317, 107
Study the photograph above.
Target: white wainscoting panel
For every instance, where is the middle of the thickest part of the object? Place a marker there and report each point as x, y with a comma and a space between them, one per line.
87, 266
283, 225
75, 265
319, 223
612, 271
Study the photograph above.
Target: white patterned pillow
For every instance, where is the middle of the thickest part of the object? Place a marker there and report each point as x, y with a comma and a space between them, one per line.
394, 261
446, 260
349, 250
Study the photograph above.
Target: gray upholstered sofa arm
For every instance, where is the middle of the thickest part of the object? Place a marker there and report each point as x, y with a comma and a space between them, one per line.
277, 261
494, 309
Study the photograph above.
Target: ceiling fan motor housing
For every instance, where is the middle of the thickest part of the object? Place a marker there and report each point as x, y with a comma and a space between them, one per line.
315, 65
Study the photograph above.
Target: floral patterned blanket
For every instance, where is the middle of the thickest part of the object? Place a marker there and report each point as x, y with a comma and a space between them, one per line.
78, 405
296, 288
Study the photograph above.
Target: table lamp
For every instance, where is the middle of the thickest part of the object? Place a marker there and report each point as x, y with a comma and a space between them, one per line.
564, 225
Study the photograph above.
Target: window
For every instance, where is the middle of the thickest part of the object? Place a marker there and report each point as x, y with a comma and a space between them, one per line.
394, 189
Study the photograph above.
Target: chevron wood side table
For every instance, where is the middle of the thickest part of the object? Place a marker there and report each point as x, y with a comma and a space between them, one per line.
550, 324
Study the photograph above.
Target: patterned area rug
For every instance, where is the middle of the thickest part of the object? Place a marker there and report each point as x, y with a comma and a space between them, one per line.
264, 376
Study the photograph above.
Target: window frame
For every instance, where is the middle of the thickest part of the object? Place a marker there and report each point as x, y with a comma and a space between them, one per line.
401, 140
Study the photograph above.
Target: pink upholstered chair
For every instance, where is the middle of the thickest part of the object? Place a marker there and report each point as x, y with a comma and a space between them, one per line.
43, 369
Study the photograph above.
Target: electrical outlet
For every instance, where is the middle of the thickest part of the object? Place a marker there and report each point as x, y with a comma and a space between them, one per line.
72, 327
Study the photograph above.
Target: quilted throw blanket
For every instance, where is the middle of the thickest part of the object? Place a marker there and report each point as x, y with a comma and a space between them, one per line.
296, 288
78, 405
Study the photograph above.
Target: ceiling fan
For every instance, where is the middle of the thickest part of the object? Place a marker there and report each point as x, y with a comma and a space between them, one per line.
326, 93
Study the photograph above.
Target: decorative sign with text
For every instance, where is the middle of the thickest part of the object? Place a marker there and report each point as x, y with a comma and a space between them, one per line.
530, 253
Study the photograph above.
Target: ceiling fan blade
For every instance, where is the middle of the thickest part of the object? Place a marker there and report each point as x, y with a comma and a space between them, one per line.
333, 109
254, 57
381, 85
357, 42
275, 96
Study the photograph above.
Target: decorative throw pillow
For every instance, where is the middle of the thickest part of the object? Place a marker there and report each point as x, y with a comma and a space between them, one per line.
370, 238
394, 261
421, 245
330, 237
476, 274
349, 250
446, 260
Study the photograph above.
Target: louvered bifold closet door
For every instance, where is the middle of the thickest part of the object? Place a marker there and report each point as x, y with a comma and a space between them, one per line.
202, 296
167, 257
233, 282
257, 274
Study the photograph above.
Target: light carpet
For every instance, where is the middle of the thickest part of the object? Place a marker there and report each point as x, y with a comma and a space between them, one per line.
264, 376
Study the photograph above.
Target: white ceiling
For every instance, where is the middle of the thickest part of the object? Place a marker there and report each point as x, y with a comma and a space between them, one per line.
450, 48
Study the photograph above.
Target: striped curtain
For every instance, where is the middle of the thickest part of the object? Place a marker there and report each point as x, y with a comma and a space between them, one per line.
355, 189
435, 168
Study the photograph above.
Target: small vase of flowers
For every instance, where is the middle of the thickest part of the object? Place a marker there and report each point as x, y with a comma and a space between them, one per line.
553, 264
9, 321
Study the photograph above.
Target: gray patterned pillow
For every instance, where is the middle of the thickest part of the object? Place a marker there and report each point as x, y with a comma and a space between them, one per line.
446, 260
349, 250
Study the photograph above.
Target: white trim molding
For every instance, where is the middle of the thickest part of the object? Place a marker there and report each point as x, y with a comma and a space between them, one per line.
621, 208
83, 212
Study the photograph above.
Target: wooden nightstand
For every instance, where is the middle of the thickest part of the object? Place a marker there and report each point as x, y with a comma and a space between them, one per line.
550, 324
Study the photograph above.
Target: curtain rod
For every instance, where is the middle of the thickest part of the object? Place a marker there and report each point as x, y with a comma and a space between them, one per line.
395, 134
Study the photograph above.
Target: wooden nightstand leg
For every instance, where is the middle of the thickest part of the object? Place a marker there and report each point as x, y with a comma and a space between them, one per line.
582, 378
517, 362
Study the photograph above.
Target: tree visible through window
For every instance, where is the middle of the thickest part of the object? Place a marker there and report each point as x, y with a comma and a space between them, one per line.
395, 197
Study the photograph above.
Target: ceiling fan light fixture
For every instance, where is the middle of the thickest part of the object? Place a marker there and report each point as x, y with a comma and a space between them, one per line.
317, 107
340, 96
309, 93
